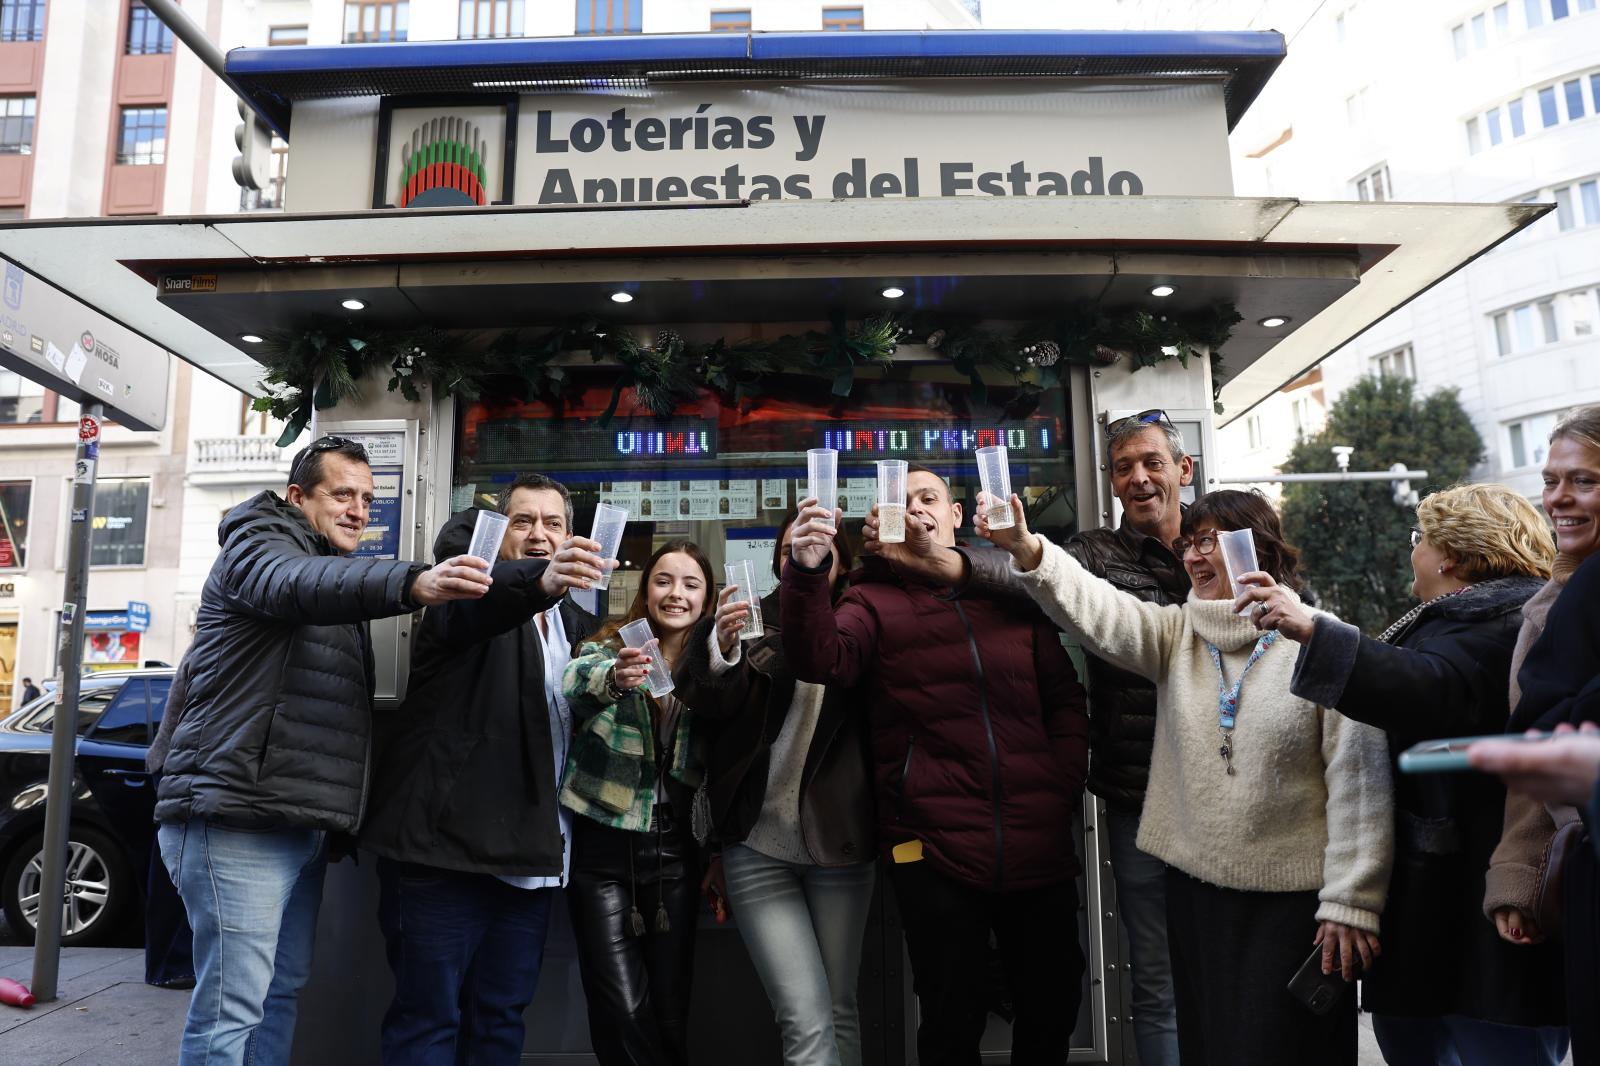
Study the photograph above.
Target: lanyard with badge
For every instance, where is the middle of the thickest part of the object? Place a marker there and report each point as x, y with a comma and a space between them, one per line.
1228, 697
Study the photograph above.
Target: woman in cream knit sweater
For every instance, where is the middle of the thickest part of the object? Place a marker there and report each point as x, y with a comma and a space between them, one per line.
1275, 823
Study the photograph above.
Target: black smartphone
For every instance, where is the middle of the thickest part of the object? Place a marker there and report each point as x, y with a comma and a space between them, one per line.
1319, 991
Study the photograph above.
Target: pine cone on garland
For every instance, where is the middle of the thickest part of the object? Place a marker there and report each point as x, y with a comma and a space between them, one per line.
1046, 353
935, 339
1106, 355
668, 340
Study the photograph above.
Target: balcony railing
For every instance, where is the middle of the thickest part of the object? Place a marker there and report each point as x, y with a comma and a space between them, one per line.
217, 454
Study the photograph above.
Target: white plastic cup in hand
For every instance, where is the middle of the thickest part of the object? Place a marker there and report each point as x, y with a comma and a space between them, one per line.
487, 534
637, 634
609, 522
892, 501
822, 479
994, 475
1238, 548
742, 576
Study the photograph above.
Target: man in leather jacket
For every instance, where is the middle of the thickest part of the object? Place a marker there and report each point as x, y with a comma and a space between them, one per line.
1149, 468
464, 817
269, 755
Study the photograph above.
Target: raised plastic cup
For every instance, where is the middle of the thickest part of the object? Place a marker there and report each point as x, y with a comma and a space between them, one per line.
892, 500
1238, 548
487, 535
609, 522
822, 478
994, 477
638, 634
742, 576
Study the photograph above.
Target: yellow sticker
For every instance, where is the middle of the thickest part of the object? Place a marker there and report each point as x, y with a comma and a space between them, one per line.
910, 851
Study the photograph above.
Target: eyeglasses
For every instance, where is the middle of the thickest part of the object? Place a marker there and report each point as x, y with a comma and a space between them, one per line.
1416, 537
1153, 417
1205, 544
324, 444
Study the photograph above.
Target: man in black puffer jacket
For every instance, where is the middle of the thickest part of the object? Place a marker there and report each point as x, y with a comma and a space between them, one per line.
464, 814
270, 754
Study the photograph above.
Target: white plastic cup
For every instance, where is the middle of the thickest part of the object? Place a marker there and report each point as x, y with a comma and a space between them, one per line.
609, 522
822, 478
892, 475
994, 477
638, 634
487, 535
1238, 548
742, 576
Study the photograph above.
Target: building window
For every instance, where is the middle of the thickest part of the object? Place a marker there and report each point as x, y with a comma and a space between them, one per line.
1583, 308
376, 20
1399, 363
121, 518
1252, 427
1374, 185
1304, 417
270, 198
1558, 102
21, 20
1526, 327
1559, 9
1514, 117
1355, 108
1529, 439
1474, 145
1458, 37
143, 140
15, 496
147, 35
1534, 10
1502, 20
16, 125
843, 18
483, 19
610, 16
21, 400
731, 21
282, 35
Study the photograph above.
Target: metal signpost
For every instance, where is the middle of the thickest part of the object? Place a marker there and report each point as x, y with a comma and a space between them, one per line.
64, 731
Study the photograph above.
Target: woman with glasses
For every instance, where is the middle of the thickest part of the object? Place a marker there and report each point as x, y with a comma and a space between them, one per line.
1448, 990
1272, 813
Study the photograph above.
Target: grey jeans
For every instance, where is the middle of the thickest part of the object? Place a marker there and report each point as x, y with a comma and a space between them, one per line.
1142, 899
803, 926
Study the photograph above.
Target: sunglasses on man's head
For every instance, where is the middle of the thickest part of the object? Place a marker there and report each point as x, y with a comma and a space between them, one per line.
1153, 417
324, 444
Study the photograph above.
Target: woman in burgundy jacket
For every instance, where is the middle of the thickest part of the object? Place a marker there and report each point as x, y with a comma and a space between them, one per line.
979, 743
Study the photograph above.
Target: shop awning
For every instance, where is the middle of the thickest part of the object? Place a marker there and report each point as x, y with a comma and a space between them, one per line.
197, 285
272, 78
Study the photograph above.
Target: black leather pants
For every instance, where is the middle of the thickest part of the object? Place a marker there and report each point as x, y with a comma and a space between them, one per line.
637, 987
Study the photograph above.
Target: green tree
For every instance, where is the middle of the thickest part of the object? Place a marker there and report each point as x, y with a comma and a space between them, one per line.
1353, 537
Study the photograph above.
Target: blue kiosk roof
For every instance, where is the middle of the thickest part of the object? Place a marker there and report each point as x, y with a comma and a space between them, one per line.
274, 78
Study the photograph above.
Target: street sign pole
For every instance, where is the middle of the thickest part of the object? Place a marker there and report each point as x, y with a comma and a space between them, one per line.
53, 900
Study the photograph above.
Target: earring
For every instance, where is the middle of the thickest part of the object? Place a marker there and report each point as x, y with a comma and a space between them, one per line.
1441, 570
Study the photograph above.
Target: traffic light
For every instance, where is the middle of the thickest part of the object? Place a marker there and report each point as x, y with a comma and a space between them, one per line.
252, 167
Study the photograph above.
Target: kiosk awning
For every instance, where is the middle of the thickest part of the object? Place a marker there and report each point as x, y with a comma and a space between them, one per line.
197, 285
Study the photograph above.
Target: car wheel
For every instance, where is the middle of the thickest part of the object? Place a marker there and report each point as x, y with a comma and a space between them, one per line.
99, 888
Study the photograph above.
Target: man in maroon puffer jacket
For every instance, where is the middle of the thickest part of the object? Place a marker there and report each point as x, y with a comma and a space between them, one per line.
980, 749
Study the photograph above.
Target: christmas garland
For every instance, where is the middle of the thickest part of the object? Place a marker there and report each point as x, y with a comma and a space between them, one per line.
322, 366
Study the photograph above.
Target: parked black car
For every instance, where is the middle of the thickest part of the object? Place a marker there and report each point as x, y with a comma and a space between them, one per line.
113, 800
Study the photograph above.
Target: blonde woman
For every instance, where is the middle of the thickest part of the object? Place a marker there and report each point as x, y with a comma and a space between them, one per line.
1448, 989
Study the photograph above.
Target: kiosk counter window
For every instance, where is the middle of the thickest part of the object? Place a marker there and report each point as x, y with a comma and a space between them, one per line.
726, 477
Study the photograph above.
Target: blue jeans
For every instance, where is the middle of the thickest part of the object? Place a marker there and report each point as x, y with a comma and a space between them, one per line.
252, 898
803, 926
465, 950
1142, 897
1457, 1041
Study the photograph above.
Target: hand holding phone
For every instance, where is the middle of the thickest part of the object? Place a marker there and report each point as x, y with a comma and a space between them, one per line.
1449, 755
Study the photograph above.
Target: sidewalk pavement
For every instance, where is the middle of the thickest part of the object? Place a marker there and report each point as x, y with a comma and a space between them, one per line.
105, 1016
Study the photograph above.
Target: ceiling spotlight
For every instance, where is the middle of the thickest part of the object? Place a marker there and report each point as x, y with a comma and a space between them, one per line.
1274, 321
893, 293
622, 297
1163, 290
250, 338
353, 304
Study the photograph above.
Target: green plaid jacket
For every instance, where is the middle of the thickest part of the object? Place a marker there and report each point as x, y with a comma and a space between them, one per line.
611, 767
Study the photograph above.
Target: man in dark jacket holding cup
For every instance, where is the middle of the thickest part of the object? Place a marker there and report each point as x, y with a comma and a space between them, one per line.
979, 744
270, 753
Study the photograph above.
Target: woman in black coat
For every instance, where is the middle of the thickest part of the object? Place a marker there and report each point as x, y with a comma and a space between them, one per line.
791, 810
1448, 989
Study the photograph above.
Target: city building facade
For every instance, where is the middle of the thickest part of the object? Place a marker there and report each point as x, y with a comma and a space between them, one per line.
1440, 100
